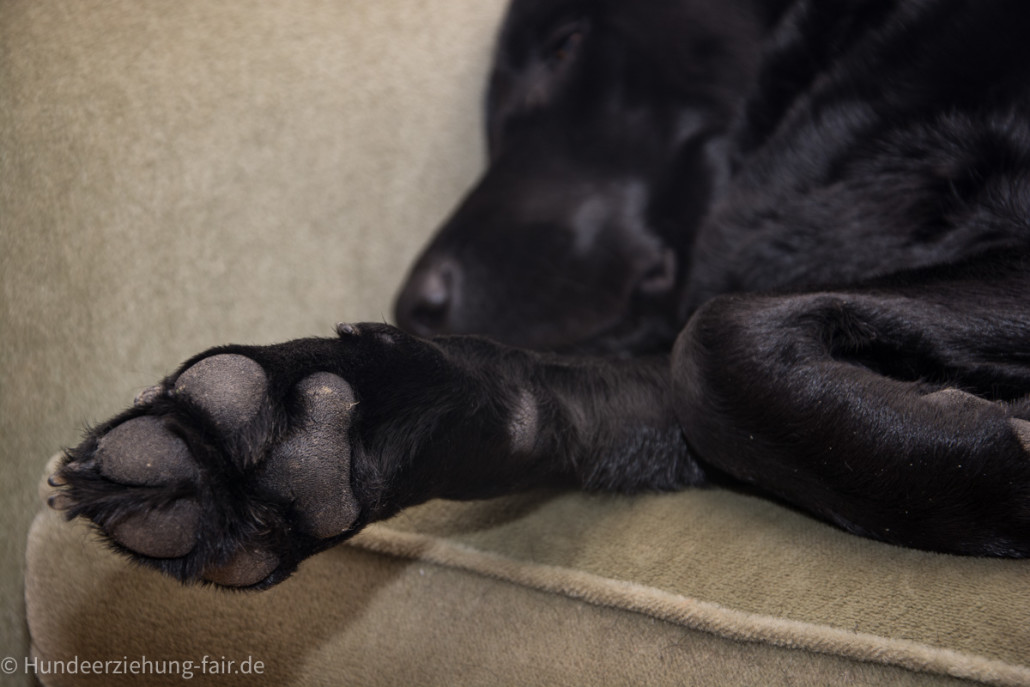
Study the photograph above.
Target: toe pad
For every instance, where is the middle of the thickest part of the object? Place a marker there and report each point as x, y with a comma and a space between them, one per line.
142, 452
247, 567
161, 533
230, 388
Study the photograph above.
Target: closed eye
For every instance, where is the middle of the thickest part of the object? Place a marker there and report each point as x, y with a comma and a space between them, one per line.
564, 44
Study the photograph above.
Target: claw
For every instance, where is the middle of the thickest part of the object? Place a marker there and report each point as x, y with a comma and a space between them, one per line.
80, 467
59, 501
346, 329
147, 396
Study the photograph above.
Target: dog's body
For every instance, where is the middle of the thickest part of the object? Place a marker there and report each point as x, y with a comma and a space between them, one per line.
783, 242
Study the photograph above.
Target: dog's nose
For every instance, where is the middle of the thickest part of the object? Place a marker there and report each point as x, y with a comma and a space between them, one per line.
425, 305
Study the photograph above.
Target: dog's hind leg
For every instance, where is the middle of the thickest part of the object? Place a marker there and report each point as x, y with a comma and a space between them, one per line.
898, 411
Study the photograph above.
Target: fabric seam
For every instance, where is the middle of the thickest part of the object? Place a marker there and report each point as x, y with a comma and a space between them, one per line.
691, 613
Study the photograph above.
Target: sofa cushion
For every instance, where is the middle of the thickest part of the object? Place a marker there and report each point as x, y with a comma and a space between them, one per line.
700, 587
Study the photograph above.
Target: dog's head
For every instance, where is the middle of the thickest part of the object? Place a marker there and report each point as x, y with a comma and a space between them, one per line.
605, 123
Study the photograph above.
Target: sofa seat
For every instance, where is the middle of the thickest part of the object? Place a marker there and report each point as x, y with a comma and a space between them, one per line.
697, 588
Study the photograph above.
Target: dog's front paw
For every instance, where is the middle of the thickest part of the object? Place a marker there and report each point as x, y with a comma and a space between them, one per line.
230, 472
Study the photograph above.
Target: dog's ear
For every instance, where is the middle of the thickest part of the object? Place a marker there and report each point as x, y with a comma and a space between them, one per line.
537, 53
696, 46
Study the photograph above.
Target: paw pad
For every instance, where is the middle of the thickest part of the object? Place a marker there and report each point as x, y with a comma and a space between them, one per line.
230, 388
1021, 428
956, 399
312, 465
247, 567
142, 452
168, 532
219, 470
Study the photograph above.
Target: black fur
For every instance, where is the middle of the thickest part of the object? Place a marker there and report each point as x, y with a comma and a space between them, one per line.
779, 243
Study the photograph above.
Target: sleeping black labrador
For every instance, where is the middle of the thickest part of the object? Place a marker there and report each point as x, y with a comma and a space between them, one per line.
776, 243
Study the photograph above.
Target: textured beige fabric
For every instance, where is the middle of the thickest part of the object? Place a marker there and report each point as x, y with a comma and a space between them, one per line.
355, 617
740, 568
176, 175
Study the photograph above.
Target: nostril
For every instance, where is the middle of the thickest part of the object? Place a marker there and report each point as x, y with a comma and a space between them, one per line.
425, 305
660, 276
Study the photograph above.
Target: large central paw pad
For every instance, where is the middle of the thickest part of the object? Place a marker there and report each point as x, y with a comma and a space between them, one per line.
201, 482
312, 465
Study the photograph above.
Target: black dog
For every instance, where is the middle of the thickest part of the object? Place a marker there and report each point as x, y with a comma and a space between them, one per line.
781, 243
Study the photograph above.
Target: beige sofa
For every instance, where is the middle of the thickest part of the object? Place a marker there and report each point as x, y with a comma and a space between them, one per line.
176, 175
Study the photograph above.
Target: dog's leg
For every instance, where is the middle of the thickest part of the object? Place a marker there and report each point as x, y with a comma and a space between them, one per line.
898, 412
250, 459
